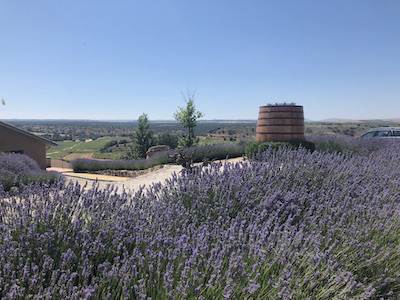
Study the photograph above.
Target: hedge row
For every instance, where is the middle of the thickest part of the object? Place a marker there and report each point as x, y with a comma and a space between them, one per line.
197, 154
252, 148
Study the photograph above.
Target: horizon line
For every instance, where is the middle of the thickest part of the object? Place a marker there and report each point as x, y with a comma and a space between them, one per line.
205, 120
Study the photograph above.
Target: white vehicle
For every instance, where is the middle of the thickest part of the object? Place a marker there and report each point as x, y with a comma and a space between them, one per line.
383, 132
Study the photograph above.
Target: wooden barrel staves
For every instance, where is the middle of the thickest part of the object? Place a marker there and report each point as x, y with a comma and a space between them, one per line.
280, 123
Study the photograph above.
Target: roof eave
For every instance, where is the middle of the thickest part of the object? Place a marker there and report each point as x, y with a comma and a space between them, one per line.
43, 140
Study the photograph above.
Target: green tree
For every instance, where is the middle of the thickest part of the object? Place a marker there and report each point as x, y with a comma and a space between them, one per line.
188, 116
144, 138
168, 139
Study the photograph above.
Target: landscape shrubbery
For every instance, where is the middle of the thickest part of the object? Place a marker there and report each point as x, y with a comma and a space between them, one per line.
288, 224
198, 153
93, 165
347, 145
19, 169
215, 152
324, 143
253, 148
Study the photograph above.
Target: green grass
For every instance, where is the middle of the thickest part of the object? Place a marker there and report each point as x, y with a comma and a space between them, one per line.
68, 147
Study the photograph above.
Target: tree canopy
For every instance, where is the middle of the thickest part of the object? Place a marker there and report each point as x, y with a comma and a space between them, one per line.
188, 116
144, 138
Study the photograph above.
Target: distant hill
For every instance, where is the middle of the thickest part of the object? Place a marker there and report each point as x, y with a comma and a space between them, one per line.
363, 121
126, 121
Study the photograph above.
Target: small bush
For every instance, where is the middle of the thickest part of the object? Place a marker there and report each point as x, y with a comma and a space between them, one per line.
329, 144
215, 152
253, 148
19, 169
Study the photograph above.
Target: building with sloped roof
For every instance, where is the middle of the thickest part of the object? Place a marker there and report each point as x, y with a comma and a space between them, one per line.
16, 140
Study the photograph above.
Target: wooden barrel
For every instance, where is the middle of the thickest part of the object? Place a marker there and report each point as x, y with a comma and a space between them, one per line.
280, 123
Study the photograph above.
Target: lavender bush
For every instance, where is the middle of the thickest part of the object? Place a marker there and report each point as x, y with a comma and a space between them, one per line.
348, 145
252, 148
289, 224
17, 169
91, 165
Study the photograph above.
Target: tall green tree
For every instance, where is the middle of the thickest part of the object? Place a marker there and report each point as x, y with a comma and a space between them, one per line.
188, 116
144, 138
171, 140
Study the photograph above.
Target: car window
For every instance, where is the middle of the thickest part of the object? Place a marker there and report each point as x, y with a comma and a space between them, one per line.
369, 134
383, 133
396, 133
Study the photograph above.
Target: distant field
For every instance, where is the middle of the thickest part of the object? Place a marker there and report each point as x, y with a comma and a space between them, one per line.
70, 150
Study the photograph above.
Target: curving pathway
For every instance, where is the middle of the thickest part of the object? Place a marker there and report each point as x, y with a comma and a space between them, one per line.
158, 176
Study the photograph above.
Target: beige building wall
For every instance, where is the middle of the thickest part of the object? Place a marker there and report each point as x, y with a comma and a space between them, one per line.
13, 141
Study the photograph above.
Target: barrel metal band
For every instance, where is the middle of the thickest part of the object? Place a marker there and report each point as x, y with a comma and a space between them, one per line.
279, 111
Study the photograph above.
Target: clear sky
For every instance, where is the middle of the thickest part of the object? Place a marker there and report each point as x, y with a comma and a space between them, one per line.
117, 59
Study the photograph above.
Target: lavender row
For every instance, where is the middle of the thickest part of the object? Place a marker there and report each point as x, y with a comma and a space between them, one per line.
288, 224
349, 145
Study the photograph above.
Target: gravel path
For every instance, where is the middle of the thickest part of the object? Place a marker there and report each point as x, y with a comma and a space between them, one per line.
128, 183
158, 176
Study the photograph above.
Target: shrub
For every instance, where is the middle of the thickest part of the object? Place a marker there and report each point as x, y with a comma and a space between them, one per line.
350, 145
92, 165
215, 152
17, 169
253, 148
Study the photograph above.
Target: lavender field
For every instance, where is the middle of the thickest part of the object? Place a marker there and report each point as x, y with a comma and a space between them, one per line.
286, 224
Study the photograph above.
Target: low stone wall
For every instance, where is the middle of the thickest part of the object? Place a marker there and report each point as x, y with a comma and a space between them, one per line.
128, 173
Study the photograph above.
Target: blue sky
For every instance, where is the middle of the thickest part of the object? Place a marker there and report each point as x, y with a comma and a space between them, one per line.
96, 59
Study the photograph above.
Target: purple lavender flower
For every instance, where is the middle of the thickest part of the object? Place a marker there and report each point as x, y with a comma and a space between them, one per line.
289, 224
